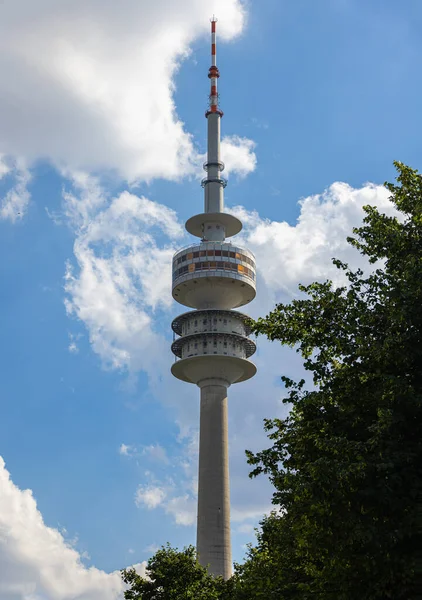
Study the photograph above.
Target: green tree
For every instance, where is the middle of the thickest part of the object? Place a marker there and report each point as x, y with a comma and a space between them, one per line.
175, 575
346, 464
274, 568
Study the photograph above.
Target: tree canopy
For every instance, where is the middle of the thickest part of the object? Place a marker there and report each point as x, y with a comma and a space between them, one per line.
175, 575
346, 463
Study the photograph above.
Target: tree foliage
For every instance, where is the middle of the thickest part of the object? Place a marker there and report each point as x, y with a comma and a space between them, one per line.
175, 575
346, 463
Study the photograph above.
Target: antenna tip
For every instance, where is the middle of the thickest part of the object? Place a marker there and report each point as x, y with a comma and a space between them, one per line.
214, 19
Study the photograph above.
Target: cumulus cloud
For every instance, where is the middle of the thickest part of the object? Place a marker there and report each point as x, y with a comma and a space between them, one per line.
239, 155
15, 201
175, 495
36, 561
182, 509
150, 496
93, 81
123, 251
300, 253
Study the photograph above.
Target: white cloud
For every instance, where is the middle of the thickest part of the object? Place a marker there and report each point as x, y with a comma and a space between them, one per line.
73, 346
93, 82
239, 156
288, 254
4, 167
123, 250
173, 495
14, 203
182, 509
150, 496
156, 452
125, 450
84, 201
141, 568
36, 561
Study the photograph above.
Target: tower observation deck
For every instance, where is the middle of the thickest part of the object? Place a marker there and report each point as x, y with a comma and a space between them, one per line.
212, 346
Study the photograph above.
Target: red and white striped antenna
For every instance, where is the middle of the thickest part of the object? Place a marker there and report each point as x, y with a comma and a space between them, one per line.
213, 41
214, 73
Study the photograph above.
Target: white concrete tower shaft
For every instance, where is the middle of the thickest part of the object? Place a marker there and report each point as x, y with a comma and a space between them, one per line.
213, 529
213, 277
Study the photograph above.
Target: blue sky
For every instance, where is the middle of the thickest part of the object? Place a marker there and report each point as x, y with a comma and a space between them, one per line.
101, 133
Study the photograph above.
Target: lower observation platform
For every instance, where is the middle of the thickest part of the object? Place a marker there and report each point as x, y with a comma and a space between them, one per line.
228, 368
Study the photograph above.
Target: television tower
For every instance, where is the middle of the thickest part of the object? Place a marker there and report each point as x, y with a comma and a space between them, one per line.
212, 350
